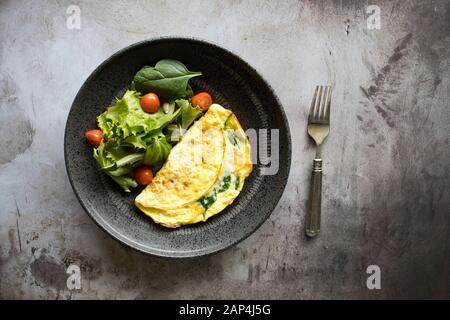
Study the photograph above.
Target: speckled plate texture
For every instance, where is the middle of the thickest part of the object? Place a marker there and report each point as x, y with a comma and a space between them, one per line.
233, 84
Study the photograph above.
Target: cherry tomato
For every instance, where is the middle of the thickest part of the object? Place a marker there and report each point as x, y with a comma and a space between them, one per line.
203, 100
94, 137
150, 102
143, 175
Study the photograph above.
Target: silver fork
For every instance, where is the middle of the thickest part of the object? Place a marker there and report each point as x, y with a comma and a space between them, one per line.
318, 129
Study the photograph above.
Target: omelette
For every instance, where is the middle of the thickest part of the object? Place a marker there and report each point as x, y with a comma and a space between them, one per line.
203, 173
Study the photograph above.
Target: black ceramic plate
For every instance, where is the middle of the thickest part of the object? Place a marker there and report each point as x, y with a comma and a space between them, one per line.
233, 84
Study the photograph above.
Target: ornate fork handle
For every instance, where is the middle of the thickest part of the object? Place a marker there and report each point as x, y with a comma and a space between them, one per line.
313, 219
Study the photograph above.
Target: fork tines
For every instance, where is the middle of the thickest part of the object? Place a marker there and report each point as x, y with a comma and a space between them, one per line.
320, 105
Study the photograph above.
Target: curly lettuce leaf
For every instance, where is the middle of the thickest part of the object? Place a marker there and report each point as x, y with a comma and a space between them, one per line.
125, 182
134, 137
101, 156
127, 119
174, 132
188, 113
117, 163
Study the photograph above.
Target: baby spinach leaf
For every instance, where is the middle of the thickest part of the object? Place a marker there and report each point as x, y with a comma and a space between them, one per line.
225, 124
207, 201
232, 137
168, 78
237, 182
188, 93
224, 184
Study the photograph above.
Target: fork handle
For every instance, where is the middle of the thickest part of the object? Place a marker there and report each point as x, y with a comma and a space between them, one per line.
313, 218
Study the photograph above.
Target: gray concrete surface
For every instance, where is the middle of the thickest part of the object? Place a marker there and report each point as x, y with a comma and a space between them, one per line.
386, 189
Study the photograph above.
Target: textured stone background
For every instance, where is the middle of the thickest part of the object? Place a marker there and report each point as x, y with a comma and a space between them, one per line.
386, 190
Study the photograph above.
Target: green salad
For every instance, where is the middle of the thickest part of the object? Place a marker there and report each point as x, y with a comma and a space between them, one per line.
135, 135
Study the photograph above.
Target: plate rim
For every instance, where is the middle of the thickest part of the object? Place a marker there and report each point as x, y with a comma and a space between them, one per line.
111, 231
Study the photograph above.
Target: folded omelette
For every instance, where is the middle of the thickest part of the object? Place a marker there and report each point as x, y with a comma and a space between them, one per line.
203, 174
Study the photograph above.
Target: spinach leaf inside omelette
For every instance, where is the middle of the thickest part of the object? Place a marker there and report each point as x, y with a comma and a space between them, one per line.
203, 174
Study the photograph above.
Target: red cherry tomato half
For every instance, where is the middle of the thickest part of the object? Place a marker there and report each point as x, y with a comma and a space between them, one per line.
94, 137
203, 100
143, 175
150, 102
